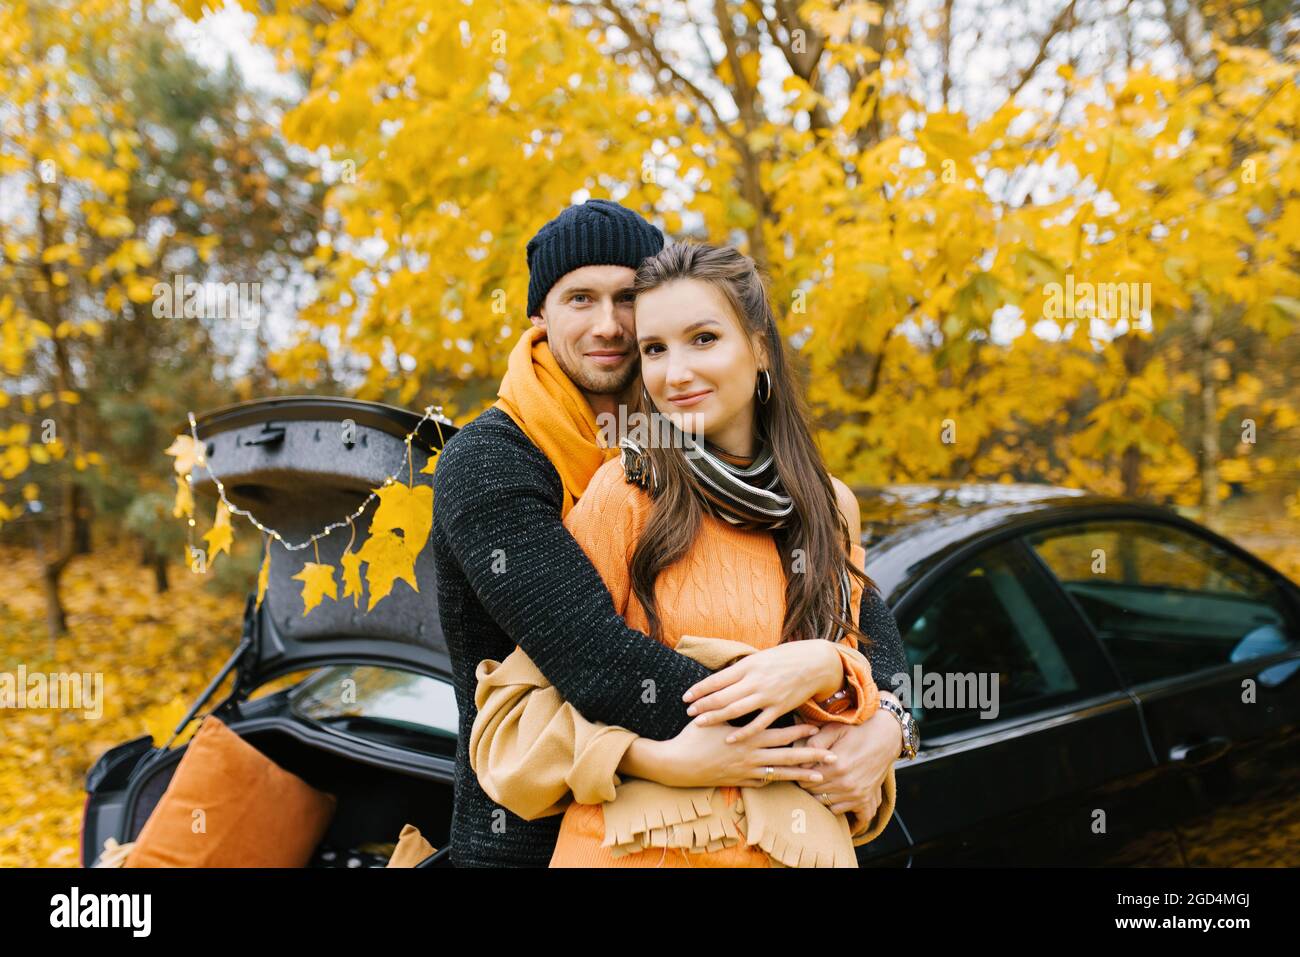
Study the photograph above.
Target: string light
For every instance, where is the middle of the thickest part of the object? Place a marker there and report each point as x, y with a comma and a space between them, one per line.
430, 411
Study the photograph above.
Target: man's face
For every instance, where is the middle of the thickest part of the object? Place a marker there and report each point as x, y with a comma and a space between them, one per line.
590, 326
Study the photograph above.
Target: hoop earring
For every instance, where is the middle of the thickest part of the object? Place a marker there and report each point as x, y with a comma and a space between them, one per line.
764, 388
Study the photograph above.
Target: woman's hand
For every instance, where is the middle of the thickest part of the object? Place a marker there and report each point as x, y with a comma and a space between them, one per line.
773, 681
701, 757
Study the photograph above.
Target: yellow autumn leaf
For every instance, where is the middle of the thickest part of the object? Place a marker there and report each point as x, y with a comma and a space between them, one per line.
204, 246
186, 453
388, 559
351, 562
60, 252
221, 535
406, 508
184, 506
139, 289
317, 583
15, 461
263, 575
115, 226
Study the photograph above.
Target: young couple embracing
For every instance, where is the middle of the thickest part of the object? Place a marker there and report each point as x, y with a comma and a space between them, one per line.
666, 653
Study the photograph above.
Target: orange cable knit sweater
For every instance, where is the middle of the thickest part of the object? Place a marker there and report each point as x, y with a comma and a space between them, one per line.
730, 585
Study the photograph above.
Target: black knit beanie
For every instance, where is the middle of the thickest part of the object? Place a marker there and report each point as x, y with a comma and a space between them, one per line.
597, 233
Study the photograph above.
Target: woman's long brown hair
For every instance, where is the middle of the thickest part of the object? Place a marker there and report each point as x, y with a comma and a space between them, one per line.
817, 532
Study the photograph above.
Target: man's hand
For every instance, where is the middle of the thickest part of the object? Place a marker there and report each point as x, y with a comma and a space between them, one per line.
866, 752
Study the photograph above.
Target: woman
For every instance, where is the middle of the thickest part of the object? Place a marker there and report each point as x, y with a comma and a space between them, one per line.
726, 525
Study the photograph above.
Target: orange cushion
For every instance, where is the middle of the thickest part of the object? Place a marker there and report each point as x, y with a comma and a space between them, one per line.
253, 812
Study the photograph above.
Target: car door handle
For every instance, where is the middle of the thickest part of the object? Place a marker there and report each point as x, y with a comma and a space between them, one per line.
1201, 752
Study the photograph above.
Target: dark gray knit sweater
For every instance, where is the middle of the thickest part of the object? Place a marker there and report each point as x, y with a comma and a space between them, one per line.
509, 573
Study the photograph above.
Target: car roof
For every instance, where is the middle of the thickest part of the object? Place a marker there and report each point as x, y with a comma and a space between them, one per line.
906, 527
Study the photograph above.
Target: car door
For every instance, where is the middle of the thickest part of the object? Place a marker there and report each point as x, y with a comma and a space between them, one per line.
1049, 766
1205, 636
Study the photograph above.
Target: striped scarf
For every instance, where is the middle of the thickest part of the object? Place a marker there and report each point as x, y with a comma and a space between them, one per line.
746, 493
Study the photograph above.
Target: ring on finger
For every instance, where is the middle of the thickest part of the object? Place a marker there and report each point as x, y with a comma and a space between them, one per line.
768, 773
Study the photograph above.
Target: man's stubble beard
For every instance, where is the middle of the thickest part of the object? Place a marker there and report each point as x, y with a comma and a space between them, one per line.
606, 383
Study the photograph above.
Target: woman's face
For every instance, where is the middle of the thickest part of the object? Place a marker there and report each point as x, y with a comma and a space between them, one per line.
698, 364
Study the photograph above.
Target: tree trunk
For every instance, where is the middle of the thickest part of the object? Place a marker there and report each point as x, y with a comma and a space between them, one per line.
55, 618
152, 557
1130, 466
1134, 351
81, 522
1202, 326
160, 573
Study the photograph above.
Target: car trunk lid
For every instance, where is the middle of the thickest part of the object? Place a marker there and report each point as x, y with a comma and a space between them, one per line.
299, 464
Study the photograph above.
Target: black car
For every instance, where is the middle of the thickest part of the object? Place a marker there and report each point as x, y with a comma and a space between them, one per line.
1148, 708
1096, 682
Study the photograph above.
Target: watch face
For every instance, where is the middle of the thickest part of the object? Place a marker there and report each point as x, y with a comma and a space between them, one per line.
913, 736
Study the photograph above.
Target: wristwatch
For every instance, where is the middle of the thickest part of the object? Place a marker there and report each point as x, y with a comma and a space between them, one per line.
911, 736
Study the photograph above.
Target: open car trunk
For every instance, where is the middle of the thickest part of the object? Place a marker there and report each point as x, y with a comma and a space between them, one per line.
373, 803
299, 464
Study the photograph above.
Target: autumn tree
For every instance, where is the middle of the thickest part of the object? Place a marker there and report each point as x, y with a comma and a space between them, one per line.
124, 164
947, 244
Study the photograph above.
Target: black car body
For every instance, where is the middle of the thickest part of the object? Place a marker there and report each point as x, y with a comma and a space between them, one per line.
1147, 703
1150, 703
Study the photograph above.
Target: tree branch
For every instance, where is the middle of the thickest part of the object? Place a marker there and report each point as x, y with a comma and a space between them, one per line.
1066, 15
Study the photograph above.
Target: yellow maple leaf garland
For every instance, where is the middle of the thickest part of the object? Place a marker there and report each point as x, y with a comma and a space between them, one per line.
317, 582
398, 532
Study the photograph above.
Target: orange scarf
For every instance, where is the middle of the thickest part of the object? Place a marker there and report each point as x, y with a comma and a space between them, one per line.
553, 413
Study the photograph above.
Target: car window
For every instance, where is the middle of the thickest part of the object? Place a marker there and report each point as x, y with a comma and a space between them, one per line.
987, 626
397, 707
1163, 600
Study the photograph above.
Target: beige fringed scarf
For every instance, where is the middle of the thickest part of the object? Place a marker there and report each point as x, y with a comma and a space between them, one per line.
534, 754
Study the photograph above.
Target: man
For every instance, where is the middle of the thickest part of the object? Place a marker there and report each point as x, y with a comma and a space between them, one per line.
509, 573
